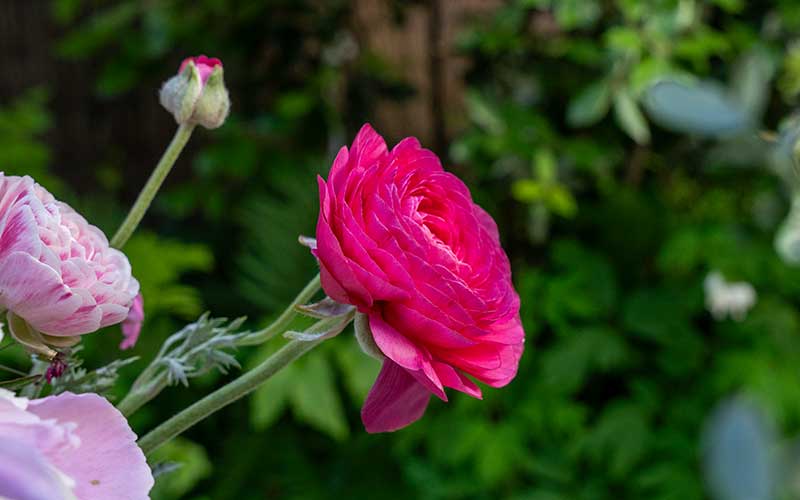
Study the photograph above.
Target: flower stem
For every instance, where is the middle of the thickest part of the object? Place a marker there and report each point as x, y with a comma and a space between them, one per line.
151, 381
285, 319
152, 186
233, 391
140, 396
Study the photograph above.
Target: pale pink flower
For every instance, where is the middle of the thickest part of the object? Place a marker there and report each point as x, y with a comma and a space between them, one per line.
132, 325
402, 240
69, 447
57, 271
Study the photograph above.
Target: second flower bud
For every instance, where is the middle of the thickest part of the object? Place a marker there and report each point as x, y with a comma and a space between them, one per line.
197, 94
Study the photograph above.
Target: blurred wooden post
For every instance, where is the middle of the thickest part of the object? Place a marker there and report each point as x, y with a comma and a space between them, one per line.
422, 49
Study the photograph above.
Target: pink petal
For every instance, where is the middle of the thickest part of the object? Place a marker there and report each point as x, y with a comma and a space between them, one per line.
395, 400
35, 292
108, 465
25, 474
394, 344
132, 325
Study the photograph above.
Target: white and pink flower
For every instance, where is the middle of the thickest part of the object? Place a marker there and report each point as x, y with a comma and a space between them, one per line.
57, 271
69, 447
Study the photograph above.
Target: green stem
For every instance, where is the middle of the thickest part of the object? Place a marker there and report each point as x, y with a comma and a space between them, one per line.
152, 186
140, 396
285, 319
151, 382
233, 391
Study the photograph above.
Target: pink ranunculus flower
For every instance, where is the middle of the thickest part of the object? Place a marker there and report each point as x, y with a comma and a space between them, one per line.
402, 240
57, 271
69, 447
132, 325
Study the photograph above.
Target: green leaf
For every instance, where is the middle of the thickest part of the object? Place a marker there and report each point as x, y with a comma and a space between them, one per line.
590, 105
359, 369
271, 398
315, 399
750, 81
484, 114
630, 118
194, 466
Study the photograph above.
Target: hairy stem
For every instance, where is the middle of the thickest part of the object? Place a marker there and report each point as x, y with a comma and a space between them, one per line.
285, 319
234, 390
152, 186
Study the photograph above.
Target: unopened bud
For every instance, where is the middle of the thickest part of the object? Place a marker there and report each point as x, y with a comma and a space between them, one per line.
197, 94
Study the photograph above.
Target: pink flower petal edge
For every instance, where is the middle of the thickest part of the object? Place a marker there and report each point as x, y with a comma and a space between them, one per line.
83, 439
395, 400
132, 326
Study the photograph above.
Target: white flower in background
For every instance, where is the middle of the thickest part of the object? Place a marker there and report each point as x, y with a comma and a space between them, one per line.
728, 300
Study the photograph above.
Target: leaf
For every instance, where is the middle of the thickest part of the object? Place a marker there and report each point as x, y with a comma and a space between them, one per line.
484, 114
316, 401
590, 105
700, 108
738, 443
359, 369
325, 308
620, 438
271, 398
194, 467
18, 383
750, 81
630, 118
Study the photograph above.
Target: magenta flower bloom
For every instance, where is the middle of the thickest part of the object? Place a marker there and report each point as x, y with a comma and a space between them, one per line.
57, 271
402, 240
69, 447
132, 325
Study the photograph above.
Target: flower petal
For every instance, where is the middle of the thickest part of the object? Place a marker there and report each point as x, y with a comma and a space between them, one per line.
395, 400
108, 465
26, 475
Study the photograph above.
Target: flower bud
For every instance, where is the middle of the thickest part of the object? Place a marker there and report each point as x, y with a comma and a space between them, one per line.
197, 94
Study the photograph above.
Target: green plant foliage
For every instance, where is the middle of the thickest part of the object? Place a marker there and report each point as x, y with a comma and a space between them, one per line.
626, 150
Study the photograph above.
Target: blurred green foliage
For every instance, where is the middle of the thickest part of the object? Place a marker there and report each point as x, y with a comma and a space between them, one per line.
619, 166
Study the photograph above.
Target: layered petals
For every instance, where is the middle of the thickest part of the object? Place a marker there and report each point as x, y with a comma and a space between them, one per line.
57, 271
401, 239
